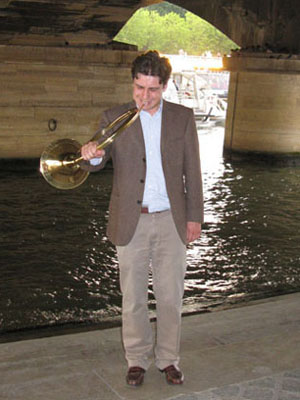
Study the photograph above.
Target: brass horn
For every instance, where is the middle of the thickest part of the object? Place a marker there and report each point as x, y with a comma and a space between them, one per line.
60, 161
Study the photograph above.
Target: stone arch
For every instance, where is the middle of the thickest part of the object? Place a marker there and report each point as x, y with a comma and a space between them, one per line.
249, 23
252, 24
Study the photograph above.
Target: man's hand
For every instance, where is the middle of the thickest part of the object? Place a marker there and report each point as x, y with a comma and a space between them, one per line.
193, 231
89, 151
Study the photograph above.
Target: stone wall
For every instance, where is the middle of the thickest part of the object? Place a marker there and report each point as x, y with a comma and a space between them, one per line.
263, 115
68, 88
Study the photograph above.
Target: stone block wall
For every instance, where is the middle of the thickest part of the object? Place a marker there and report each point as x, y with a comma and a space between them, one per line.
44, 87
263, 114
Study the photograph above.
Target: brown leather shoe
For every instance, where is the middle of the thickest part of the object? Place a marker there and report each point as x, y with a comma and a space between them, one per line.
173, 375
135, 376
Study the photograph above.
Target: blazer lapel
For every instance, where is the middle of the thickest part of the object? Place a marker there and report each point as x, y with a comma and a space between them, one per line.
138, 135
165, 126
135, 131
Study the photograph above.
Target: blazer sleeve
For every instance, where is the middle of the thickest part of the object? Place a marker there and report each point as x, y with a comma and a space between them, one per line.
192, 173
86, 165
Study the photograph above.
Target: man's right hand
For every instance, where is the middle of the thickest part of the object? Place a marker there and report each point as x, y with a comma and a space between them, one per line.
89, 151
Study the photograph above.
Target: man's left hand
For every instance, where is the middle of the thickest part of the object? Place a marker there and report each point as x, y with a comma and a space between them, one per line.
193, 231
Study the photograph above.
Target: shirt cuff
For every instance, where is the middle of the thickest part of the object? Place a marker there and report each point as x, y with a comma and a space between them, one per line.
96, 161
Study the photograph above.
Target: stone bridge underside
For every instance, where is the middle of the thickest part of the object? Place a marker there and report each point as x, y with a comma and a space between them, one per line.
252, 24
60, 68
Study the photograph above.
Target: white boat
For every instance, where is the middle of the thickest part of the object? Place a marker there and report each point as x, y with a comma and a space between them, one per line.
205, 92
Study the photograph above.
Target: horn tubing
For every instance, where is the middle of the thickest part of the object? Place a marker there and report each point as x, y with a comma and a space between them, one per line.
111, 138
58, 163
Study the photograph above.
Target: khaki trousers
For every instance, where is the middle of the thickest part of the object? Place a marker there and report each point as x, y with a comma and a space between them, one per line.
156, 245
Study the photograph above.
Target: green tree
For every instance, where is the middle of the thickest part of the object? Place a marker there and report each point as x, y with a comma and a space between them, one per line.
166, 8
171, 32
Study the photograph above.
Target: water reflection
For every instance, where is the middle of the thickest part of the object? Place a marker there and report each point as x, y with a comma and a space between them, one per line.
249, 248
57, 265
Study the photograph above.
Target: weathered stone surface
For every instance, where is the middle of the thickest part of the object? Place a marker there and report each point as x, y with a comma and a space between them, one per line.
63, 22
253, 24
70, 86
263, 107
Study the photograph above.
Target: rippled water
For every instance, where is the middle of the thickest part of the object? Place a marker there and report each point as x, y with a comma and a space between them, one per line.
58, 267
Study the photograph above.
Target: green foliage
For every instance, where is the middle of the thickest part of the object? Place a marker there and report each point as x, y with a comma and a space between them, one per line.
166, 8
170, 32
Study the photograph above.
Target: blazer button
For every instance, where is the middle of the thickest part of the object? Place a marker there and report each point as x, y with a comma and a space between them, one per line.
142, 181
139, 201
144, 159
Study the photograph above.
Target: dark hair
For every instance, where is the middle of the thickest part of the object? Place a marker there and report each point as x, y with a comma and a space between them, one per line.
150, 63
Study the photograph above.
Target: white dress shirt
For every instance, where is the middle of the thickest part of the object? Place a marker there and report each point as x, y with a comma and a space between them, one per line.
155, 193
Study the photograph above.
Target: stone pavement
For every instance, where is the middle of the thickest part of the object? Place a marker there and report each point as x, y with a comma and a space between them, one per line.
283, 386
247, 353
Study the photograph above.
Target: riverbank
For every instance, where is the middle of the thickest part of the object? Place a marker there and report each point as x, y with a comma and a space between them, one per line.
249, 352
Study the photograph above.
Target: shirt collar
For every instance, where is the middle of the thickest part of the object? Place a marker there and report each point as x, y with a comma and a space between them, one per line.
157, 113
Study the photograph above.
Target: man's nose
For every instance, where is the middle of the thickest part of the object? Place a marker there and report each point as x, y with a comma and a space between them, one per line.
145, 94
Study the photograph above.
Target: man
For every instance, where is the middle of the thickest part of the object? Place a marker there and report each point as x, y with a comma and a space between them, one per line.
155, 209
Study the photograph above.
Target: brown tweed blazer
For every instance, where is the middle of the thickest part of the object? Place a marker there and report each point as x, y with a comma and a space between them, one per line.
181, 165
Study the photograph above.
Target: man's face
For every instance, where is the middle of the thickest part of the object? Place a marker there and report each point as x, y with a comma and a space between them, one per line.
147, 91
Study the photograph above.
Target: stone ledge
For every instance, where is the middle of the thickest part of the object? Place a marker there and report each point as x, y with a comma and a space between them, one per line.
267, 158
262, 62
65, 55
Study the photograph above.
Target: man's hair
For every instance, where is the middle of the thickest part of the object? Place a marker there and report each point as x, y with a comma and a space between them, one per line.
150, 63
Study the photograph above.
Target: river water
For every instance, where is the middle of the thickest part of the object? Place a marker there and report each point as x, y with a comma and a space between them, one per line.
58, 268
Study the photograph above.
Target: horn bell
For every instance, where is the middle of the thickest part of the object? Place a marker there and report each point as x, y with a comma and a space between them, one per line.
60, 161
58, 167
